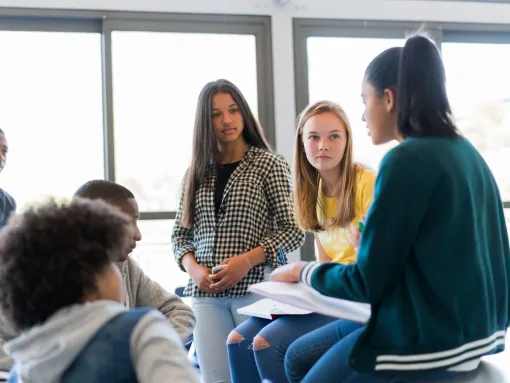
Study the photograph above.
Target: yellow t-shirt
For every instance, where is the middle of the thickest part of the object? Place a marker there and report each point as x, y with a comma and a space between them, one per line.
335, 241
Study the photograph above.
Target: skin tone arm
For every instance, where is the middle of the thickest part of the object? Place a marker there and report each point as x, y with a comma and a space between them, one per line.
292, 272
198, 273
288, 273
237, 268
323, 257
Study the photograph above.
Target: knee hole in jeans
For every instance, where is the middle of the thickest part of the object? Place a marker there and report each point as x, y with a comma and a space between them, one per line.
235, 338
260, 343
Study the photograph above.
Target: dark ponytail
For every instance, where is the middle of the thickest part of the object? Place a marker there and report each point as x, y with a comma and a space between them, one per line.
416, 75
422, 102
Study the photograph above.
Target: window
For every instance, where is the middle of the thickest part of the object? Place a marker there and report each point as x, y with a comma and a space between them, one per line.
481, 101
157, 79
51, 99
158, 68
154, 254
89, 94
332, 55
336, 66
330, 64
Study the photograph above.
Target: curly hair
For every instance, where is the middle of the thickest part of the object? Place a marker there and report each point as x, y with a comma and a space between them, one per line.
51, 255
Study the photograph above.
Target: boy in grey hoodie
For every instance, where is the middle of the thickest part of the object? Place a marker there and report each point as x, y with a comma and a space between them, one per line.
61, 291
140, 290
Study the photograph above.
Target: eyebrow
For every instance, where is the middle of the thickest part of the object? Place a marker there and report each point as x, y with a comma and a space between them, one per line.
331, 131
230, 106
134, 216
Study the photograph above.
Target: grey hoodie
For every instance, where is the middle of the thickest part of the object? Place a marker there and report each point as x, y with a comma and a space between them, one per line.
43, 353
139, 291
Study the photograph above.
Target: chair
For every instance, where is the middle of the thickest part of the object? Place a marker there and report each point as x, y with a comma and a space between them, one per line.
179, 291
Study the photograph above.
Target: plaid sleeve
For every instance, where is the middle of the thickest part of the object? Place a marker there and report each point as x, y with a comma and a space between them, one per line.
287, 236
182, 237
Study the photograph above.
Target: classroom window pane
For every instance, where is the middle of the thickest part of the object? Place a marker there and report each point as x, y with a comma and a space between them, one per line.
156, 81
336, 67
478, 81
154, 254
51, 97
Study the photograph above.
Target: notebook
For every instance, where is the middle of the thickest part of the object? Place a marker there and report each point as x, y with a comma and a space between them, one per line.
304, 297
270, 309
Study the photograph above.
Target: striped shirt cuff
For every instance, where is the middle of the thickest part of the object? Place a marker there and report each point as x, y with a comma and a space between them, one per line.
307, 272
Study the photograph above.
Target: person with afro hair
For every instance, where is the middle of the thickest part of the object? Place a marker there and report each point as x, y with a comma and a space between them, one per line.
61, 290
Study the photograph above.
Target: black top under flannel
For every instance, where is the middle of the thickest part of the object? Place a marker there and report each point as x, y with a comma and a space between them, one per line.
256, 210
223, 173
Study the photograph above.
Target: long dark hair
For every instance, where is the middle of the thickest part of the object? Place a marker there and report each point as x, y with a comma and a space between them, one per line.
205, 146
416, 74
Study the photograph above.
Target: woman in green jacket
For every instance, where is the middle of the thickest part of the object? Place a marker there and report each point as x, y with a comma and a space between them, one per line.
434, 258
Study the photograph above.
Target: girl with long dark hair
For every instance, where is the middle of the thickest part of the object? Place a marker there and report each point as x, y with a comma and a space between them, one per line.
236, 210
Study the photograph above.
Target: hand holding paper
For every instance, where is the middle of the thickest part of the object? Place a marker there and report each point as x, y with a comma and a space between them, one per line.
288, 273
303, 296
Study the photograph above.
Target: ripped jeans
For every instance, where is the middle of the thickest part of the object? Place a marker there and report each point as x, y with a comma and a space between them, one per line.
253, 358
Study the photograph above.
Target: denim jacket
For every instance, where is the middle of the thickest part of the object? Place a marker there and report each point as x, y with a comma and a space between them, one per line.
100, 341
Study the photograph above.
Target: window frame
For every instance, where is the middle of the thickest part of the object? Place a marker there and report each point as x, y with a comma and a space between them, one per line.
303, 28
481, 1
106, 22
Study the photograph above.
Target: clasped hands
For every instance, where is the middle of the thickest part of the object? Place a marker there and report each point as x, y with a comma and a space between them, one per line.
236, 269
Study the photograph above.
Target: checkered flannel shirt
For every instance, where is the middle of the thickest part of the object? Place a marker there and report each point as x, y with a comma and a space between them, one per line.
256, 210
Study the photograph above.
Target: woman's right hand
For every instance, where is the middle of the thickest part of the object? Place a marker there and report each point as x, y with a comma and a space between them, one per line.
355, 237
200, 275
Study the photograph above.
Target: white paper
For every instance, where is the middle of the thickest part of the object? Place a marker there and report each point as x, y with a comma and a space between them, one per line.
303, 296
266, 308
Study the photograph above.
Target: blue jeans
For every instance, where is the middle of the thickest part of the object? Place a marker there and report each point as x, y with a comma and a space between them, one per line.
249, 366
323, 354
216, 318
